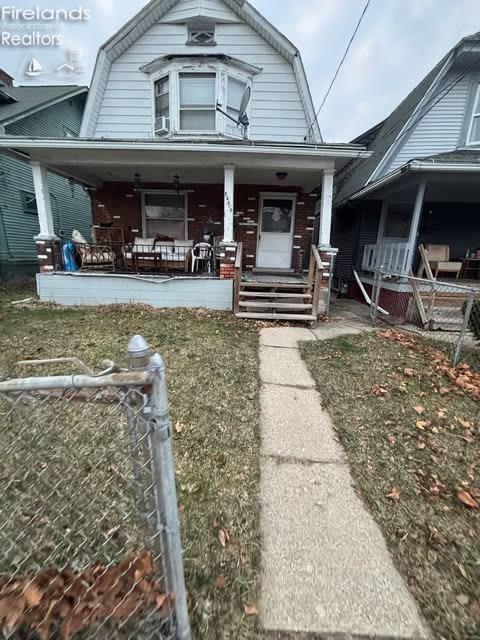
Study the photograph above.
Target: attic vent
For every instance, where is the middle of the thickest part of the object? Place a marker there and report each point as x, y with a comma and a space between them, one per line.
201, 36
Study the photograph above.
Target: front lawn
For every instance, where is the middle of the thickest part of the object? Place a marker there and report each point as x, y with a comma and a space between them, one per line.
213, 387
411, 427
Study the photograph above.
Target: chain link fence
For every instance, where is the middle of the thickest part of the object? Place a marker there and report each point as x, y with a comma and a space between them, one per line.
449, 312
89, 531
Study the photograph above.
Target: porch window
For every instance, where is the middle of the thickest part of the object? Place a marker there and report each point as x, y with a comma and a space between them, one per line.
398, 221
474, 134
162, 105
197, 102
165, 215
29, 203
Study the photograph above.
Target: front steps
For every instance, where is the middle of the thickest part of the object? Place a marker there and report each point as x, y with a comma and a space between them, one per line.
267, 300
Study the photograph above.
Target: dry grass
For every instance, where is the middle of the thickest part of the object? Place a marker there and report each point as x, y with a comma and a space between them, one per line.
213, 387
414, 436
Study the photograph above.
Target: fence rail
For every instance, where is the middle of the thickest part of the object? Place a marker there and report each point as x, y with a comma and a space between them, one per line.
448, 311
89, 532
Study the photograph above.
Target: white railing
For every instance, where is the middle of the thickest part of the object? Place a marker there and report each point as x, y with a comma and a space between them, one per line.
389, 256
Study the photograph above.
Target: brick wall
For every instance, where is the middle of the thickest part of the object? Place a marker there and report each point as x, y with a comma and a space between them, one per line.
117, 204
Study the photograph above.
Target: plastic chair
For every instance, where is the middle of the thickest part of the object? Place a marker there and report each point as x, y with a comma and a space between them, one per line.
202, 252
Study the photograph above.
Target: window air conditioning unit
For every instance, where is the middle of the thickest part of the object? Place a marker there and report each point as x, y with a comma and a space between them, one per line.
162, 126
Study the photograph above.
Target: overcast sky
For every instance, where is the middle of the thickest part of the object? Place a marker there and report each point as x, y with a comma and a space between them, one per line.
398, 43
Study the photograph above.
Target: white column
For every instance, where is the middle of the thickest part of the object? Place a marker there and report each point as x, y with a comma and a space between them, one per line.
228, 207
326, 208
44, 206
417, 212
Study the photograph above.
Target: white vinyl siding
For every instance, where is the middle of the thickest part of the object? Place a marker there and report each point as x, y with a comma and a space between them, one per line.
474, 129
439, 130
276, 110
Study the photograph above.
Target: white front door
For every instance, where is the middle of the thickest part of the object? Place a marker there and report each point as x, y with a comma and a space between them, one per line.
275, 231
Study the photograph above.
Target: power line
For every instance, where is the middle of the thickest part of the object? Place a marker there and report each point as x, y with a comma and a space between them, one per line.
338, 68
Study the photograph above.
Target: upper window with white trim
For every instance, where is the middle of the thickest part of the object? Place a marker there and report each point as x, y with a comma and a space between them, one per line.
198, 96
198, 108
474, 131
162, 105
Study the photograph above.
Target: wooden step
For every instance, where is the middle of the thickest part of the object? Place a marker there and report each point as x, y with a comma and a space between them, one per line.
273, 285
246, 315
275, 305
273, 294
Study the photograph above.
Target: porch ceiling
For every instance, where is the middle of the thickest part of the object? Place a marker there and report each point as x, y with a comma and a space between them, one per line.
97, 161
441, 187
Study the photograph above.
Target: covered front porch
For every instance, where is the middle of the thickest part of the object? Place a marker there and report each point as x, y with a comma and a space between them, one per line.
433, 209
165, 214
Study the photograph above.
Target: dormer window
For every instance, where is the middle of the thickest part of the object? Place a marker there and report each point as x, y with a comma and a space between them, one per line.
202, 36
474, 131
162, 105
192, 95
198, 102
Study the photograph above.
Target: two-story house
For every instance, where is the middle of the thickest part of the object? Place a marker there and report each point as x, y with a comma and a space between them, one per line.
421, 183
199, 130
54, 111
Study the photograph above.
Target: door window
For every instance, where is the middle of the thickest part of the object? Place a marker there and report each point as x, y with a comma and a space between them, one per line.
277, 215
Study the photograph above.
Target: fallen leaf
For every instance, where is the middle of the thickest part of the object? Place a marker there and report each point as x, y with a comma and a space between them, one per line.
419, 410
467, 499
220, 582
421, 424
464, 423
444, 390
409, 372
250, 610
421, 444
223, 536
178, 427
463, 599
33, 596
394, 494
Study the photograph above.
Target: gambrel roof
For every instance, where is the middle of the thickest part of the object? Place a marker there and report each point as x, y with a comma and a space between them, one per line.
152, 13
26, 100
360, 173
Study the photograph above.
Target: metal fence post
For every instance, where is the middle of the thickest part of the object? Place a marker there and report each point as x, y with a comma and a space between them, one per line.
166, 505
464, 329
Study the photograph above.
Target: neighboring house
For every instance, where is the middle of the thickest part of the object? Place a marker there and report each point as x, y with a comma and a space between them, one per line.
159, 145
36, 111
421, 183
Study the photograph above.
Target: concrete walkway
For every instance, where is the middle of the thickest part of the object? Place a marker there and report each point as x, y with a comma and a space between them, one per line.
325, 565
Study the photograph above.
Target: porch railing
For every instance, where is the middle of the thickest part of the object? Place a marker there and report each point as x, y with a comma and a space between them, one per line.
387, 256
238, 278
161, 258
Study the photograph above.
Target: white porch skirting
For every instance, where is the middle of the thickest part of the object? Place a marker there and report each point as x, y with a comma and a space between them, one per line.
83, 288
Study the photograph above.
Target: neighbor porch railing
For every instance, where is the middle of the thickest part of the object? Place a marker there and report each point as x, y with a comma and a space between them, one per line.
388, 256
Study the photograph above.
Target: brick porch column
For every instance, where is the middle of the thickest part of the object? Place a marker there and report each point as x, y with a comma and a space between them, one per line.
47, 243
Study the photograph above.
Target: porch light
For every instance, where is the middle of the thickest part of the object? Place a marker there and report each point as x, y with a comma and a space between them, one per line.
137, 182
176, 183
207, 233
282, 175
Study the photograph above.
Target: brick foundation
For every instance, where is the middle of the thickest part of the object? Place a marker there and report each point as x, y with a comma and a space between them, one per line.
117, 204
49, 255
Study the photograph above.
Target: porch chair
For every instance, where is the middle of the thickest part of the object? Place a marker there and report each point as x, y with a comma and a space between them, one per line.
203, 251
438, 256
93, 256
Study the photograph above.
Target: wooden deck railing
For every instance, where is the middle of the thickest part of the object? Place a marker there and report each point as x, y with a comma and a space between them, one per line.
238, 278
